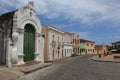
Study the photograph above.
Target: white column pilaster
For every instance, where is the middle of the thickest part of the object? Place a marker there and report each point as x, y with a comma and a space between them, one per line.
37, 44
20, 47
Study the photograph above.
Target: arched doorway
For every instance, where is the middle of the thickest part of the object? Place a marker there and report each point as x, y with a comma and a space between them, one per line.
29, 43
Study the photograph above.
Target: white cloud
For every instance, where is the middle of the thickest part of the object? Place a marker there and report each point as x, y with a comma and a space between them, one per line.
85, 35
85, 11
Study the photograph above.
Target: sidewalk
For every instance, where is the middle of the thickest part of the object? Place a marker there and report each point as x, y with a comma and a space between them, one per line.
108, 58
10, 74
16, 73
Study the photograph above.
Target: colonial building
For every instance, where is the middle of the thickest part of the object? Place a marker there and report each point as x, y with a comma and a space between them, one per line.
54, 43
68, 48
76, 43
20, 37
101, 49
87, 47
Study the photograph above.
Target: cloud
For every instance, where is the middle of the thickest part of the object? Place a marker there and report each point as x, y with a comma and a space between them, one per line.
86, 12
9, 5
85, 35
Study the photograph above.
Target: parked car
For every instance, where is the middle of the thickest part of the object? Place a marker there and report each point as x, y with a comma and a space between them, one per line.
74, 54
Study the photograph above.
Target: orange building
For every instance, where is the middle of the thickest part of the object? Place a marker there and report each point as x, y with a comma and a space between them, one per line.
101, 49
76, 43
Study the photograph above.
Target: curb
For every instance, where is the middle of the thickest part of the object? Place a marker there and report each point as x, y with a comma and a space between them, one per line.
95, 58
27, 72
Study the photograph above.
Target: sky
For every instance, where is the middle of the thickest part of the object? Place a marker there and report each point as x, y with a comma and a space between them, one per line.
95, 20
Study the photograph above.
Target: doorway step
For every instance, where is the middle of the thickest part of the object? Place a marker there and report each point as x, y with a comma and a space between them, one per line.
31, 66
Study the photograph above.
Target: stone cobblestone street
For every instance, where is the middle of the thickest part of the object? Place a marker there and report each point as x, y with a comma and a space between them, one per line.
78, 68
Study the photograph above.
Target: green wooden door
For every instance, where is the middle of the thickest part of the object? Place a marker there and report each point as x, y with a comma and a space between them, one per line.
29, 43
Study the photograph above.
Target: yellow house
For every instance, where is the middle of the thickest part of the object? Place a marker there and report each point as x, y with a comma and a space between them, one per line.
87, 47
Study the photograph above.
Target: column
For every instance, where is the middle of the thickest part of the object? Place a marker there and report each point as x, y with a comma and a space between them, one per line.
20, 46
9, 63
37, 46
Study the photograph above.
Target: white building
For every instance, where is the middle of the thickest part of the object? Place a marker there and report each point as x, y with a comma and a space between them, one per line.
68, 48
20, 37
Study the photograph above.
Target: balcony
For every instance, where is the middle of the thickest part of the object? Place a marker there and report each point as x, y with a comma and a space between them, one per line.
62, 43
53, 43
59, 43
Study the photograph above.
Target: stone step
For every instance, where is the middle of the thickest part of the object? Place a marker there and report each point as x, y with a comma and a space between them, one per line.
31, 68
29, 63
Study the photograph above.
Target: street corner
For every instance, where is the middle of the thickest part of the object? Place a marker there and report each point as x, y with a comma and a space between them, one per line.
108, 58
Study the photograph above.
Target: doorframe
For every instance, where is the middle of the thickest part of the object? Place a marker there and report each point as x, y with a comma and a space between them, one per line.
29, 25
38, 41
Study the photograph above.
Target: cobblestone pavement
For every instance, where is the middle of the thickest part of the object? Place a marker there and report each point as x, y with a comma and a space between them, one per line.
78, 68
9, 74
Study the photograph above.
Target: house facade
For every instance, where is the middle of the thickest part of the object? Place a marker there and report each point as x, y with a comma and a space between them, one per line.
68, 47
101, 49
21, 40
116, 45
76, 43
54, 43
87, 47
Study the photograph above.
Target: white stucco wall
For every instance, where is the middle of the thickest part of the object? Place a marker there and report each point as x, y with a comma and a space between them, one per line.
21, 18
69, 49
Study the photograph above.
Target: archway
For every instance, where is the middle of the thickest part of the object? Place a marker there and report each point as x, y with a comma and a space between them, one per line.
29, 43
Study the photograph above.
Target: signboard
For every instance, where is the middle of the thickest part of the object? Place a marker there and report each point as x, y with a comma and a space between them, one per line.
82, 46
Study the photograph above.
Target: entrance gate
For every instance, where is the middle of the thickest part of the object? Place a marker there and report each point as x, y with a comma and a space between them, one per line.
29, 43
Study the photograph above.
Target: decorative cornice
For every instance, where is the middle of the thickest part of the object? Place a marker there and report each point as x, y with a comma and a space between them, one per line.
56, 30
19, 30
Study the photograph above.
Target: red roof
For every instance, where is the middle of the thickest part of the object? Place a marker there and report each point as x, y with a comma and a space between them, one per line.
83, 40
68, 33
98, 46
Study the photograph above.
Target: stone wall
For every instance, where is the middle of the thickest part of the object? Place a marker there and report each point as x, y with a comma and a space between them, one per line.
5, 35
